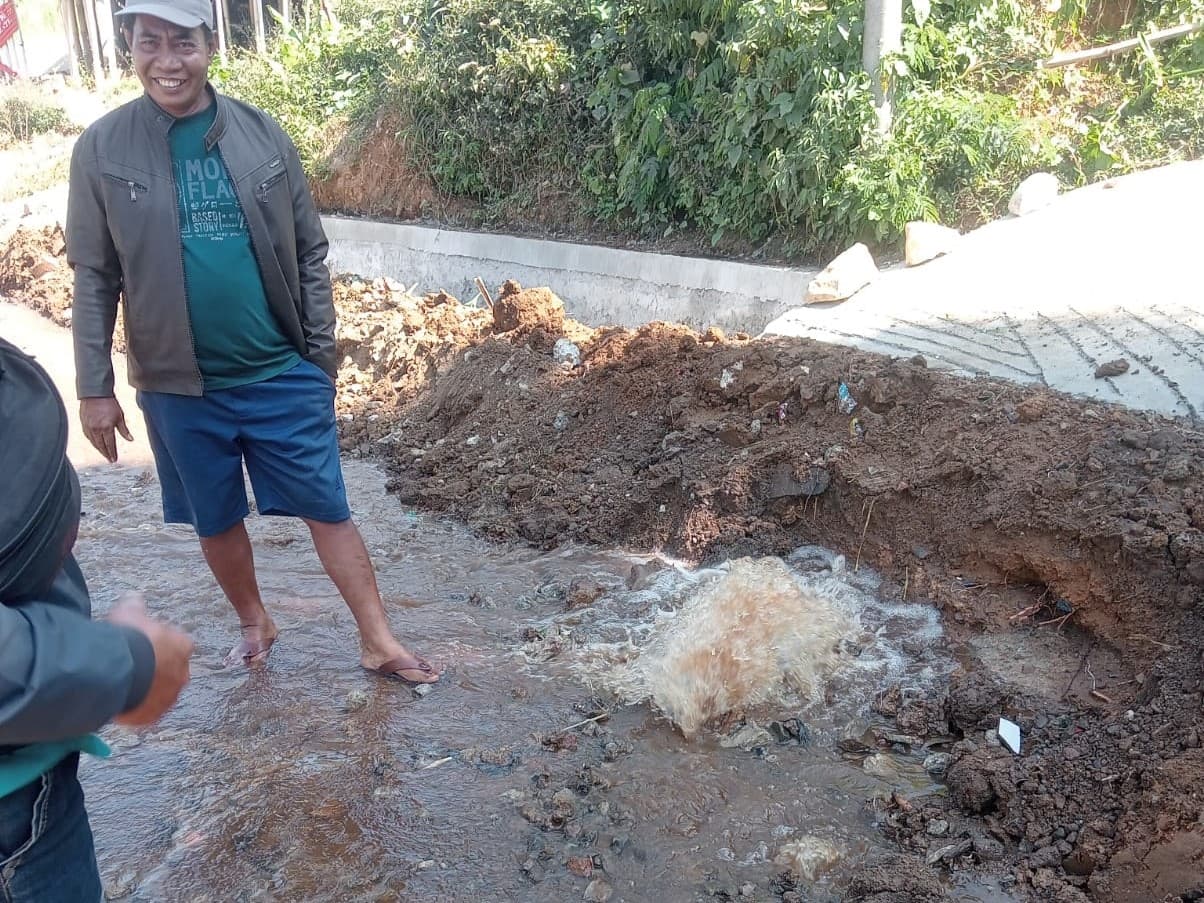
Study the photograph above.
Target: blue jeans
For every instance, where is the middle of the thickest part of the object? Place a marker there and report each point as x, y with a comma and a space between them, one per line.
46, 852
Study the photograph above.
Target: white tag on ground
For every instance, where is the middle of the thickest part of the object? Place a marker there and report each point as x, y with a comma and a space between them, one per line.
1009, 733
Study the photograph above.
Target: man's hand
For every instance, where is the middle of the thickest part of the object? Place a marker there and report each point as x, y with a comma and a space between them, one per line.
101, 418
173, 649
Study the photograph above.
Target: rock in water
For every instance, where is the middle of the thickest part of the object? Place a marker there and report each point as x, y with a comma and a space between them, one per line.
598, 891
843, 277
1037, 191
927, 241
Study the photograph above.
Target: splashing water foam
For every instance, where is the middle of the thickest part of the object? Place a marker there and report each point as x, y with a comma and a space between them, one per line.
735, 643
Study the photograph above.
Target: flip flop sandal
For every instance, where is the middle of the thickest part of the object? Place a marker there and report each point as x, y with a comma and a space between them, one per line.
250, 652
397, 669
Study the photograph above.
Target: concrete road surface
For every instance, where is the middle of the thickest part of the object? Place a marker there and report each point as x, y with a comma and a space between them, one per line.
1108, 272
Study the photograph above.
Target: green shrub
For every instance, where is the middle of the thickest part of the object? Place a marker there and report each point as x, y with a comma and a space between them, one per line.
315, 81
489, 94
735, 120
25, 113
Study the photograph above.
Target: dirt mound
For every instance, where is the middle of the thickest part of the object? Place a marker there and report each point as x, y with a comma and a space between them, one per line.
524, 310
34, 272
1019, 511
391, 343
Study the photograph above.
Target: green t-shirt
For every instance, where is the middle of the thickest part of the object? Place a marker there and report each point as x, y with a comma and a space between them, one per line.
237, 340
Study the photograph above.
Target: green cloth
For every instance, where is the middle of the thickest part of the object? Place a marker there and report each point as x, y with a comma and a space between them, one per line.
26, 764
237, 340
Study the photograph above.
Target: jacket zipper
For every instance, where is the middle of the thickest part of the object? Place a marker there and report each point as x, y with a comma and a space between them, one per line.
133, 186
262, 191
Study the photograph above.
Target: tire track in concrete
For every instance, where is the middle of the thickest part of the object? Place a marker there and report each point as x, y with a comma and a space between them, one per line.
1078, 348
948, 332
1197, 331
1023, 342
959, 349
860, 341
1169, 337
1145, 359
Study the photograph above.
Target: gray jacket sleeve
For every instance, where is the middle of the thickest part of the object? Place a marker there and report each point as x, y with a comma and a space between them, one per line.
317, 297
93, 258
63, 674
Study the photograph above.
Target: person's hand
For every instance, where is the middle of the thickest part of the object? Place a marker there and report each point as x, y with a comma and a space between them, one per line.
101, 418
173, 649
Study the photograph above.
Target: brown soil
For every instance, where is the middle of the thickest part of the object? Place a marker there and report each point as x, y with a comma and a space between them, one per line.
373, 176
33, 271
1023, 514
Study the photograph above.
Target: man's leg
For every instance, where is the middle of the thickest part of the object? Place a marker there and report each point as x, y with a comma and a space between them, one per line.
345, 558
232, 562
291, 445
199, 462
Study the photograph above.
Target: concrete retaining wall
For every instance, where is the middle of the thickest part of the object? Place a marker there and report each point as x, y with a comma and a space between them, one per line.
599, 285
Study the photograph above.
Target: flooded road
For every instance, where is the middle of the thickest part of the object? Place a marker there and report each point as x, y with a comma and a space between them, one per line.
521, 776
312, 780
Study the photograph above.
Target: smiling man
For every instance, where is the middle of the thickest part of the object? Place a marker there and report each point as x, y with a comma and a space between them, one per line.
193, 208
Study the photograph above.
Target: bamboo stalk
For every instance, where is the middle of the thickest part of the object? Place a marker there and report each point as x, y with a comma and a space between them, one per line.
1111, 50
98, 73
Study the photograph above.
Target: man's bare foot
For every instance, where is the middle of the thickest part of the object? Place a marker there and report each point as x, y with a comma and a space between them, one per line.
402, 665
255, 647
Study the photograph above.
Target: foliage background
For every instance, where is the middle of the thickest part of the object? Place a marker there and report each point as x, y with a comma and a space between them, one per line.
741, 123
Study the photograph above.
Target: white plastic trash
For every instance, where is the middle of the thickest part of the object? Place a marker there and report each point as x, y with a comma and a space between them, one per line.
1009, 733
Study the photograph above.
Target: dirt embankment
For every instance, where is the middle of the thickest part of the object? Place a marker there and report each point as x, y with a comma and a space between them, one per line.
1014, 509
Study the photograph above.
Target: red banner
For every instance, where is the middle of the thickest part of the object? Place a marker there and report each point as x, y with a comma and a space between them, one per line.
8, 20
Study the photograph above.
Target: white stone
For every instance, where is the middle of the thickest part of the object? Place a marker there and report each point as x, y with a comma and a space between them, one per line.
566, 352
923, 242
598, 891
843, 277
1037, 191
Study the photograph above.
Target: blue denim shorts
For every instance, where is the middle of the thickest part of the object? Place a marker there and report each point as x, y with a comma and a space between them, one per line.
46, 851
283, 429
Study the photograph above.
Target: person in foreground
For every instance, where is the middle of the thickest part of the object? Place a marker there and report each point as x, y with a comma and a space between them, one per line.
194, 207
62, 675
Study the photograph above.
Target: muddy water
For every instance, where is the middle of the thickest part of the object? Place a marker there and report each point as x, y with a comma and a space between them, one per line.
312, 780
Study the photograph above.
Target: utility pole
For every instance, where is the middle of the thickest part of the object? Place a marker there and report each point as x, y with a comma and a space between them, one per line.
883, 35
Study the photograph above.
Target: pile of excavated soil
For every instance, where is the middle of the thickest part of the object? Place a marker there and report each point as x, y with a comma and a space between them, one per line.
34, 271
1020, 512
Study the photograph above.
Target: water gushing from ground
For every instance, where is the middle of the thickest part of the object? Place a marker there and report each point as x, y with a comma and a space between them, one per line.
315, 781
